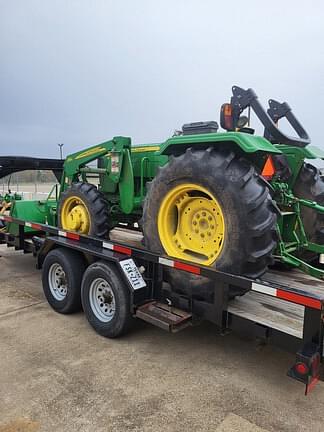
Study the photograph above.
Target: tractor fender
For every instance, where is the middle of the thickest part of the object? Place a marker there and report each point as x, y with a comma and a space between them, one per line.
308, 152
313, 152
245, 142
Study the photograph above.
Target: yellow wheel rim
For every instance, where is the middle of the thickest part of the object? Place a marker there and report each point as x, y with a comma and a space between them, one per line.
75, 215
191, 224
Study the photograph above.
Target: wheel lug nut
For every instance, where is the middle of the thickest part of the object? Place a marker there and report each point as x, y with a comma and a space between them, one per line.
202, 235
194, 222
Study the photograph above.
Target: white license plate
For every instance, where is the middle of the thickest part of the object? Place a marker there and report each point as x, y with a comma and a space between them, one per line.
321, 259
132, 273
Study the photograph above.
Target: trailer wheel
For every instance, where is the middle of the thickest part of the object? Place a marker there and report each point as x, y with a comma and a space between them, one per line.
61, 277
106, 300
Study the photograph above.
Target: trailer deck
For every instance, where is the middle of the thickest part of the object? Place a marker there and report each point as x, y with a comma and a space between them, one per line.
263, 309
284, 308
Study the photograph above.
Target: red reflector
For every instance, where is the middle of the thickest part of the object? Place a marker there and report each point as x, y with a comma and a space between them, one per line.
301, 368
122, 249
299, 299
73, 236
268, 169
187, 267
36, 227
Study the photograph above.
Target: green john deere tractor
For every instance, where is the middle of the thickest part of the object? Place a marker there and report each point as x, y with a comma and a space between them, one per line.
231, 199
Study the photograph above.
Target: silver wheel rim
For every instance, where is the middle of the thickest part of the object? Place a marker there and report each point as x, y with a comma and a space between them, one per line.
102, 300
57, 282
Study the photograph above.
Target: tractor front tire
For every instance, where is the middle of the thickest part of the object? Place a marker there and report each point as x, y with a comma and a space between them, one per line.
82, 208
227, 218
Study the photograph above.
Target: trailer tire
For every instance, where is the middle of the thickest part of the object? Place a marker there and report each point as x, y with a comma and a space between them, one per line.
310, 185
61, 278
106, 300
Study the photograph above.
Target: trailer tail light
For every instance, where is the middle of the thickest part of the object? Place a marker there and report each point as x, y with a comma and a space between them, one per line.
269, 169
307, 366
301, 368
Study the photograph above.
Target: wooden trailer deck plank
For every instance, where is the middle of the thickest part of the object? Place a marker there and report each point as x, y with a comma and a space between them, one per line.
269, 311
127, 236
295, 279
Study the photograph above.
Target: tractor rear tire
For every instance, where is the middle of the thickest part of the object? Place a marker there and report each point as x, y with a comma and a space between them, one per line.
310, 185
93, 212
244, 199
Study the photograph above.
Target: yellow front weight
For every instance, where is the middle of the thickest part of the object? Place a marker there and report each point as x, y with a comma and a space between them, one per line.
191, 224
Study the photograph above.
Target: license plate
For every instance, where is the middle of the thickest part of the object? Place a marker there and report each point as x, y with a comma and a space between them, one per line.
132, 273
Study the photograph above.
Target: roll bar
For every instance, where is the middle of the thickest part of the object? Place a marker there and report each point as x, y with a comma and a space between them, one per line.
242, 99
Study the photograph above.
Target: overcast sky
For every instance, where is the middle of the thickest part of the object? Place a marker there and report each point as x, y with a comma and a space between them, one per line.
81, 72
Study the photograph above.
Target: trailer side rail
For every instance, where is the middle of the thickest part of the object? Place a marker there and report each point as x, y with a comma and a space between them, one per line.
298, 296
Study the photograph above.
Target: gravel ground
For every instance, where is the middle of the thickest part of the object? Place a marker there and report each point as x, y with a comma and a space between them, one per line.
56, 374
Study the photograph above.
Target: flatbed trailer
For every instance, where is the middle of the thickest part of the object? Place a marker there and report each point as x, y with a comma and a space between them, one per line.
283, 308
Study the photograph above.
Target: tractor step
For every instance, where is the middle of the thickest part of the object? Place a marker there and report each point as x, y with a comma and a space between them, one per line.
164, 316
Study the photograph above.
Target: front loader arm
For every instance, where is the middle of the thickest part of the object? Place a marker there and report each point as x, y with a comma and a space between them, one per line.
118, 168
76, 161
